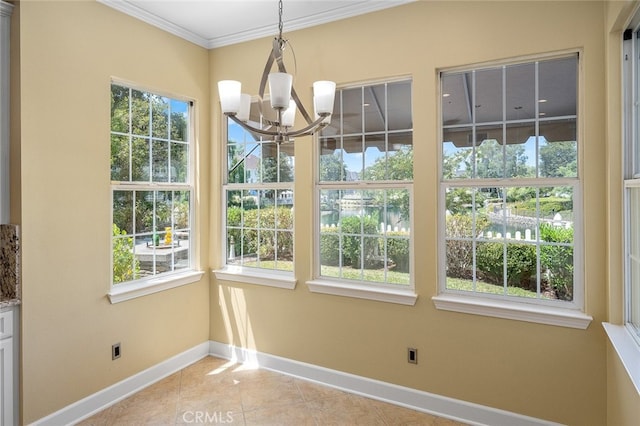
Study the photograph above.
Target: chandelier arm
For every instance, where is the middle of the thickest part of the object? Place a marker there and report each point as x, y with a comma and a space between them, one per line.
310, 129
252, 129
301, 108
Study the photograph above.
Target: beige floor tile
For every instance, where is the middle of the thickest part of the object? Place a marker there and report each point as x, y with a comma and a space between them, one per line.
284, 415
313, 391
216, 391
272, 391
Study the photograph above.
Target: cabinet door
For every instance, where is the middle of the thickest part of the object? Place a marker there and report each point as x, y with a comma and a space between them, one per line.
6, 374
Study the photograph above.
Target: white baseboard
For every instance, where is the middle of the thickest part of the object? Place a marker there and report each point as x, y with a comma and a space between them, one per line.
450, 408
100, 400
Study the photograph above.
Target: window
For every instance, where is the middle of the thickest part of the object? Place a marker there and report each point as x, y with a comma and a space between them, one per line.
510, 193
364, 190
258, 202
632, 182
151, 181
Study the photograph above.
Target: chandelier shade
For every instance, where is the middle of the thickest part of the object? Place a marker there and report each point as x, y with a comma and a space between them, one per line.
283, 99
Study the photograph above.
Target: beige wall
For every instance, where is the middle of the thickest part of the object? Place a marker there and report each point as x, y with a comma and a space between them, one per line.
68, 53
544, 371
623, 400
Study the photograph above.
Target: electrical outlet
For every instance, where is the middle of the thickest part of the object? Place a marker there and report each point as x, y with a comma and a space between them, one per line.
115, 351
412, 355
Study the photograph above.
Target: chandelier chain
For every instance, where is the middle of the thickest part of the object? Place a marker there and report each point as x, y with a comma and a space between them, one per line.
280, 19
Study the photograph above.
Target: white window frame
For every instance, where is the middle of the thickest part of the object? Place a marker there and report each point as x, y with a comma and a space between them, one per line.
631, 162
167, 280
550, 312
241, 273
382, 292
624, 338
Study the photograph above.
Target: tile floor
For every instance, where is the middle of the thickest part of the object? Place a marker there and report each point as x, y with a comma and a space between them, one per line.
216, 391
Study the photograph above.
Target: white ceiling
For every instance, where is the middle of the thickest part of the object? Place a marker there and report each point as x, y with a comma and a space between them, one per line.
215, 23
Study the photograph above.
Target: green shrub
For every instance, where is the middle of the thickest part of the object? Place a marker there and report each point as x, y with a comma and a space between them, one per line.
549, 205
557, 261
125, 265
354, 252
398, 250
330, 246
460, 252
521, 264
267, 218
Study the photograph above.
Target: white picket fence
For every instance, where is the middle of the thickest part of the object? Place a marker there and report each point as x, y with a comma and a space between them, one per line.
383, 229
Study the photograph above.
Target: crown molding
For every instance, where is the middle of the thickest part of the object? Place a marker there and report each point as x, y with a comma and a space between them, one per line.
348, 11
355, 9
138, 13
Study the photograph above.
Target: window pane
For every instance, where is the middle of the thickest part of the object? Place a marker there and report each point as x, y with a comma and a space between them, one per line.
159, 117
399, 115
332, 169
399, 258
456, 103
140, 159
558, 87
633, 233
521, 91
284, 213
488, 99
164, 211
375, 164
123, 211
351, 111
353, 157
489, 157
459, 213
119, 158
269, 162
522, 277
140, 113
179, 120
145, 216
119, 109
459, 267
126, 266
160, 161
558, 149
457, 152
375, 111
520, 151
179, 162
286, 162
490, 273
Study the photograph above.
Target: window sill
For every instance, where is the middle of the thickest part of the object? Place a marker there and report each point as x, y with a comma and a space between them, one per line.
513, 311
360, 291
123, 292
256, 276
627, 349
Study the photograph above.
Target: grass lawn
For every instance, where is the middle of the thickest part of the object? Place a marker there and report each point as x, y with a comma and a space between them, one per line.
483, 287
373, 275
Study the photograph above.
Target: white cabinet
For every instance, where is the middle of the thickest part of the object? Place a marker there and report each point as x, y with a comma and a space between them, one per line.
8, 366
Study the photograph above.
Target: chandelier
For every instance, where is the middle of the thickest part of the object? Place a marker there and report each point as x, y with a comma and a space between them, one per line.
283, 97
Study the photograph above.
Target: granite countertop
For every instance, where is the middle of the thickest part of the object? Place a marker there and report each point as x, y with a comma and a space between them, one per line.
10, 292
